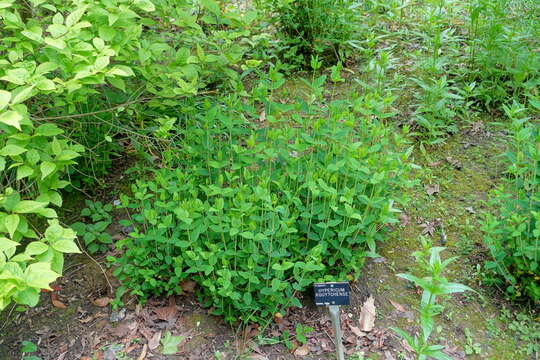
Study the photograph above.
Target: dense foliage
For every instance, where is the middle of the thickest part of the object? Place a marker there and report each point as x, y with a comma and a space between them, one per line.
314, 28
513, 233
254, 214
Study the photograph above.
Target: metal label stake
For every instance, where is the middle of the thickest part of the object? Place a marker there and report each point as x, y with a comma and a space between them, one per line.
336, 321
333, 295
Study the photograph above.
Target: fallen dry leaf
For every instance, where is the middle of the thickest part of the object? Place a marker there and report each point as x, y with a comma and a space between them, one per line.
124, 328
432, 189
143, 352
357, 331
302, 351
188, 286
398, 306
256, 357
102, 302
166, 313
367, 315
404, 219
58, 304
153, 343
429, 227
435, 163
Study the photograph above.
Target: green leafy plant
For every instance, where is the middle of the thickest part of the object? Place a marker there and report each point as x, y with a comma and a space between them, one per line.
512, 234
93, 233
327, 28
433, 286
169, 343
255, 215
51, 50
436, 110
301, 332
471, 347
502, 56
28, 347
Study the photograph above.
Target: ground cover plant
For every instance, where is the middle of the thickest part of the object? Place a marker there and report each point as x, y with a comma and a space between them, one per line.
270, 145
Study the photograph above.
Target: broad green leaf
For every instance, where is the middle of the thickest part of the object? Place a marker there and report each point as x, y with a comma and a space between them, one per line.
99, 44
46, 168
36, 248
28, 347
57, 30
6, 244
75, 16
34, 33
39, 275
212, 6
101, 63
58, 19
145, 5
6, 3
66, 246
11, 222
11, 118
47, 212
29, 296
16, 76
24, 171
2, 163
22, 94
57, 43
67, 155
12, 150
28, 206
5, 96
46, 68
46, 85
48, 130
170, 343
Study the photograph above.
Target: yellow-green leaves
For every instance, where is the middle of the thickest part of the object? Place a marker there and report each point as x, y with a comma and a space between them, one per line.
11, 118
12, 150
6, 3
28, 207
39, 275
46, 168
60, 238
75, 16
11, 222
5, 96
17, 76
145, 5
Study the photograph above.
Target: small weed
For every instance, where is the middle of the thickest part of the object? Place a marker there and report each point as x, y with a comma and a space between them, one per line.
471, 347
93, 233
434, 286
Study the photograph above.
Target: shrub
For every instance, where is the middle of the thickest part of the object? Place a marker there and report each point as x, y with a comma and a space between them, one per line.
513, 233
52, 57
324, 28
256, 214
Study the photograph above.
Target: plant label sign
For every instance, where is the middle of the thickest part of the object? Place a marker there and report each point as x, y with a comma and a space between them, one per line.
331, 293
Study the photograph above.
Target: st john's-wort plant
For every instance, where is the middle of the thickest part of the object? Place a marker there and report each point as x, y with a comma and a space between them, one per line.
255, 215
434, 285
